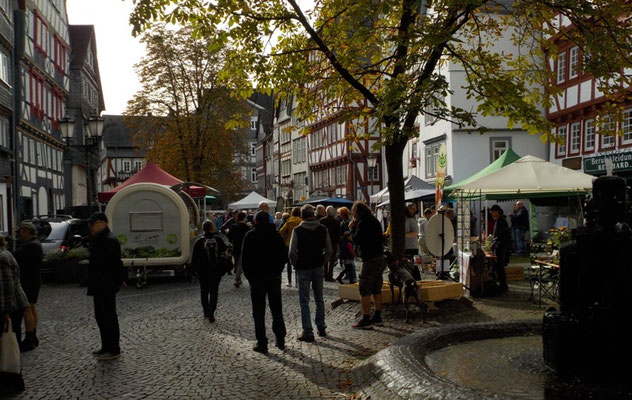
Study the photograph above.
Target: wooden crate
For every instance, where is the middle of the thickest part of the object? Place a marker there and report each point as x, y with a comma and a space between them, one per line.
514, 272
429, 291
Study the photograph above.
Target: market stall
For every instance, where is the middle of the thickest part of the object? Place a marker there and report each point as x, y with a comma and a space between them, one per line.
251, 202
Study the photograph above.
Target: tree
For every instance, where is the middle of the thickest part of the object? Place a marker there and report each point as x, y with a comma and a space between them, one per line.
380, 59
192, 124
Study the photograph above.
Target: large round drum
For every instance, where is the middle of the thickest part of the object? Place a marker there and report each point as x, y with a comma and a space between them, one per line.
439, 230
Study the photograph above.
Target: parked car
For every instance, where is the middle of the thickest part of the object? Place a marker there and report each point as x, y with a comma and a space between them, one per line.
60, 233
60, 236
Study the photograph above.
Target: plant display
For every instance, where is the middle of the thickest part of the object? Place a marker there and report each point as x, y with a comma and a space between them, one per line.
557, 236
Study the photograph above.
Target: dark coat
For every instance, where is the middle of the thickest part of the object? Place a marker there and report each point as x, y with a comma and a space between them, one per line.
29, 257
520, 219
367, 236
263, 253
106, 272
236, 235
199, 259
502, 234
333, 226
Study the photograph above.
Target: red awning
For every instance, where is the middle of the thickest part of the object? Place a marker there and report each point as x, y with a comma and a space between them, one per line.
149, 173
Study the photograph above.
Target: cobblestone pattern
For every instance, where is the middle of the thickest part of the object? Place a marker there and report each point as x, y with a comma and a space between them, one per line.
171, 351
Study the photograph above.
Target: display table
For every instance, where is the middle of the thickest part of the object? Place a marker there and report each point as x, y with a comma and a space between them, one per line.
428, 291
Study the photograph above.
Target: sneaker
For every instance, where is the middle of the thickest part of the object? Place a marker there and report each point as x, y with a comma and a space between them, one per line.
322, 332
377, 321
280, 344
98, 352
259, 348
363, 324
304, 337
109, 356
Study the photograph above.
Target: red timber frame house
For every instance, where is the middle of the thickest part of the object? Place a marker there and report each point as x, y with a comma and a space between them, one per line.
579, 118
339, 165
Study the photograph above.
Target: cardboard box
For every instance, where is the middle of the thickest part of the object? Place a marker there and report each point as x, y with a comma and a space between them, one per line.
429, 291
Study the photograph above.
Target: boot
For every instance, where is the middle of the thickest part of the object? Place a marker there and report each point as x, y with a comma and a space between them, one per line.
27, 344
35, 339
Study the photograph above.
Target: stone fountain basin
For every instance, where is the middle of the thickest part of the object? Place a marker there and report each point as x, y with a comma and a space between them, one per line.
400, 370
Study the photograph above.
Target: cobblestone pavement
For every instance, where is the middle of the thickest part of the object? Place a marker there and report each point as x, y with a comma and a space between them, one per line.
171, 351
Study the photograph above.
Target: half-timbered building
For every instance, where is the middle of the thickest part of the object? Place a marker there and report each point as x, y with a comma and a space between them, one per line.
588, 134
41, 91
6, 116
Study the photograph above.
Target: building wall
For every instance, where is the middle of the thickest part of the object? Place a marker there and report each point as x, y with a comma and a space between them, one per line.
6, 115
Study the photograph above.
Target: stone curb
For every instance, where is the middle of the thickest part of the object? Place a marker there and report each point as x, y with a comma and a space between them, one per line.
399, 372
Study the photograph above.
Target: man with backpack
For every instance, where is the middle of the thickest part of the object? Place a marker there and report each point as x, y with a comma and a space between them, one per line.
208, 263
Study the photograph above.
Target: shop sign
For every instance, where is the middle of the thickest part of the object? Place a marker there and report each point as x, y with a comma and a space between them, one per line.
597, 165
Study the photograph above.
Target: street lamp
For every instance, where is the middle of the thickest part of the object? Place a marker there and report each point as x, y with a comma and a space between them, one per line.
93, 129
371, 163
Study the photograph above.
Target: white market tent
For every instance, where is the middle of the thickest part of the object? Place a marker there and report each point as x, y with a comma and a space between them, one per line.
413, 183
251, 201
529, 177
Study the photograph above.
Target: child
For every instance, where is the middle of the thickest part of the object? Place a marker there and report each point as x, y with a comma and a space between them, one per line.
347, 254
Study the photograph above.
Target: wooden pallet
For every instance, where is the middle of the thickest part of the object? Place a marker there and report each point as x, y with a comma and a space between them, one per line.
429, 291
514, 273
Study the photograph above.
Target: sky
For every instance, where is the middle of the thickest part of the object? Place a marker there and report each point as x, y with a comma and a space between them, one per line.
117, 50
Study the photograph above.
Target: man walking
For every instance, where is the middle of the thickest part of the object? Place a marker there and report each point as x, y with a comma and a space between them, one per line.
500, 245
333, 227
310, 250
263, 257
105, 275
205, 264
367, 235
236, 236
519, 226
28, 255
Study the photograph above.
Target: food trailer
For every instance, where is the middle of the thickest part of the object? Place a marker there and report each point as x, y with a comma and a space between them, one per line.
154, 225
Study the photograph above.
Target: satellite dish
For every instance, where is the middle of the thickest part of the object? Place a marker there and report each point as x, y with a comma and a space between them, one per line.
434, 232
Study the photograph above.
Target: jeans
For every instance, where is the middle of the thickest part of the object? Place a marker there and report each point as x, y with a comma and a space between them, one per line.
107, 320
259, 289
313, 277
518, 236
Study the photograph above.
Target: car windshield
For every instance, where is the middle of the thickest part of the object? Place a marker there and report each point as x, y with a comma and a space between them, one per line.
58, 231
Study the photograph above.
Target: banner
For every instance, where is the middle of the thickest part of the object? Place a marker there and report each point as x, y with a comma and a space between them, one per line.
441, 165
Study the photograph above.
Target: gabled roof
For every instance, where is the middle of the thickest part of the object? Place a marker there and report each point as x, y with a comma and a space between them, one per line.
83, 38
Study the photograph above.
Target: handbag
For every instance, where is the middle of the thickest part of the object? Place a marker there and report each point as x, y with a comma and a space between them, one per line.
9, 352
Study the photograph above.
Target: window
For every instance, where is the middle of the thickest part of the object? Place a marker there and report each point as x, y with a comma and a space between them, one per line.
607, 132
253, 123
574, 138
626, 127
253, 147
498, 147
4, 132
561, 67
561, 145
573, 64
59, 55
41, 35
253, 175
589, 132
126, 165
5, 68
432, 155
137, 165
36, 94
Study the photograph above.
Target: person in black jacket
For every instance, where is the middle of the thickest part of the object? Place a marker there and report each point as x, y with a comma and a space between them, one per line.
263, 257
333, 227
207, 269
236, 236
500, 245
105, 275
29, 256
366, 232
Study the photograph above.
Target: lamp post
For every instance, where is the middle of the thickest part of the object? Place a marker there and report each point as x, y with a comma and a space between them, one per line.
92, 131
371, 163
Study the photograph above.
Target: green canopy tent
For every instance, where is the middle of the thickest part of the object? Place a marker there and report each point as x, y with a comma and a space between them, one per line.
508, 157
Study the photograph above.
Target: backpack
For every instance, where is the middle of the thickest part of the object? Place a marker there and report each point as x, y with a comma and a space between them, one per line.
218, 261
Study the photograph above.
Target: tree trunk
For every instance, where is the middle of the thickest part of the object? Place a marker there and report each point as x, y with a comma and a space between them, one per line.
394, 153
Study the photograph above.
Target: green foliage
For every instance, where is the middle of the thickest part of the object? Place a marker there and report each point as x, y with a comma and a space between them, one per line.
385, 60
78, 253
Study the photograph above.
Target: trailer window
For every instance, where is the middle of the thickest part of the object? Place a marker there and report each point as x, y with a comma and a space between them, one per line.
145, 221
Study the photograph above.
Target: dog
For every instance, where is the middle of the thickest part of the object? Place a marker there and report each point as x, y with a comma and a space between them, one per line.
399, 276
